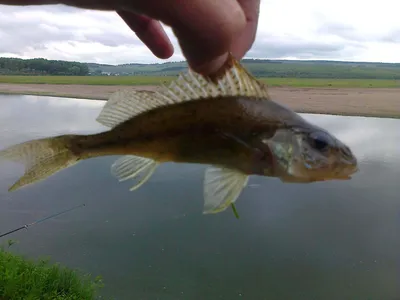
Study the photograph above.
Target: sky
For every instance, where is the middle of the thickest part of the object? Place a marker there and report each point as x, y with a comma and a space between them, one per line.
350, 30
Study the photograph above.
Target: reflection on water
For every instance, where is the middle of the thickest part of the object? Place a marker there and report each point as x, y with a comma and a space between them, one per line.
329, 240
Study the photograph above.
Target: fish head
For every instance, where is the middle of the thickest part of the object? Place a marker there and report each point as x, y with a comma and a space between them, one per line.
310, 154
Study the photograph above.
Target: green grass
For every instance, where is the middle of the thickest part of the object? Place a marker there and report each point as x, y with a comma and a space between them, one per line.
88, 80
157, 80
23, 279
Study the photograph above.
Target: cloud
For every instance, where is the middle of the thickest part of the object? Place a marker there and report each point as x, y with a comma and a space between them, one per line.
310, 29
61, 32
299, 48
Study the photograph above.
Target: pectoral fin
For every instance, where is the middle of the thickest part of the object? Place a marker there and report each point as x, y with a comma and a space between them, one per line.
222, 186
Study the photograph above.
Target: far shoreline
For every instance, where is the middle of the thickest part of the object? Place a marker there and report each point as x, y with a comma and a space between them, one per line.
363, 102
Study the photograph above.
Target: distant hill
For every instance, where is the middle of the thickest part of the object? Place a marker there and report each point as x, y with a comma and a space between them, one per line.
163, 69
41, 66
258, 67
267, 68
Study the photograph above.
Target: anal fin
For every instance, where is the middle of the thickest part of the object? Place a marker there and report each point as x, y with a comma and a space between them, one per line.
134, 167
222, 187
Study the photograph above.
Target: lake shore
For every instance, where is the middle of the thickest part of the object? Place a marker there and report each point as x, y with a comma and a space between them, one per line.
373, 102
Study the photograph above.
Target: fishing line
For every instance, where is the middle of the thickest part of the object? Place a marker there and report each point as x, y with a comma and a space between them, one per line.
41, 220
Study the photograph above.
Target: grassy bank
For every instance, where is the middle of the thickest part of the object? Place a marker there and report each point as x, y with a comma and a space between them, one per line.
23, 279
156, 80
87, 80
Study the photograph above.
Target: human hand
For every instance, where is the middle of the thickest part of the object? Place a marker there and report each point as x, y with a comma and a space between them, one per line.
206, 29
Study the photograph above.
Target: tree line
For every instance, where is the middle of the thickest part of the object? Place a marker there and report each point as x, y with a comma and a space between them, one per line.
259, 68
41, 66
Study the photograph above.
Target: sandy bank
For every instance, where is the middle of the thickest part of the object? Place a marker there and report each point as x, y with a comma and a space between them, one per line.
352, 101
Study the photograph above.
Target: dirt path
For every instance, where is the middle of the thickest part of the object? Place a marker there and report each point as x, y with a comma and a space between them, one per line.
353, 101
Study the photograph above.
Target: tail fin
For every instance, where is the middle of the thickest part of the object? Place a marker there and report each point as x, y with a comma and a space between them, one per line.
42, 158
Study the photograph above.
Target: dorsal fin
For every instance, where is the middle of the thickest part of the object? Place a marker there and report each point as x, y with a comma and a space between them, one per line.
233, 80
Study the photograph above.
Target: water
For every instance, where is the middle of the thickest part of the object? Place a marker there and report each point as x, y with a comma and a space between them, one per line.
336, 240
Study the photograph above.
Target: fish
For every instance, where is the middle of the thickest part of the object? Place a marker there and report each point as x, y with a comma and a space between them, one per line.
227, 121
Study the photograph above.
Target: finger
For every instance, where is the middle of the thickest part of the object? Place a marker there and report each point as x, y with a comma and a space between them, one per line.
205, 28
245, 39
150, 32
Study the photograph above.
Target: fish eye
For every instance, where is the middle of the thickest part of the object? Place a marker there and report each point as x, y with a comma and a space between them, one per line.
320, 141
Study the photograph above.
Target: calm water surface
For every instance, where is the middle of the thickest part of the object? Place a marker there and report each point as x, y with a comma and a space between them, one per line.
332, 240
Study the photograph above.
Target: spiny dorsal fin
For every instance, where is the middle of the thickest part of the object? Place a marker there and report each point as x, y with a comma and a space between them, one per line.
125, 104
233, 80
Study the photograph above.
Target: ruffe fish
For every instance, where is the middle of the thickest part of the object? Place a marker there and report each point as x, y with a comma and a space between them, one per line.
227, 122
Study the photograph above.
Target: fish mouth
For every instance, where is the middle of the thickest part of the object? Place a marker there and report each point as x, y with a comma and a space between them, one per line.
340, 173
334, 177
348, 177
342, 178
346, 174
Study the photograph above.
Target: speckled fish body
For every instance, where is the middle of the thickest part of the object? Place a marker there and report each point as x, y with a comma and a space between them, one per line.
229, 123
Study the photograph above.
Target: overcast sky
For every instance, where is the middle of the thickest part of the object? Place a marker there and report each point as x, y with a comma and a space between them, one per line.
355, 30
